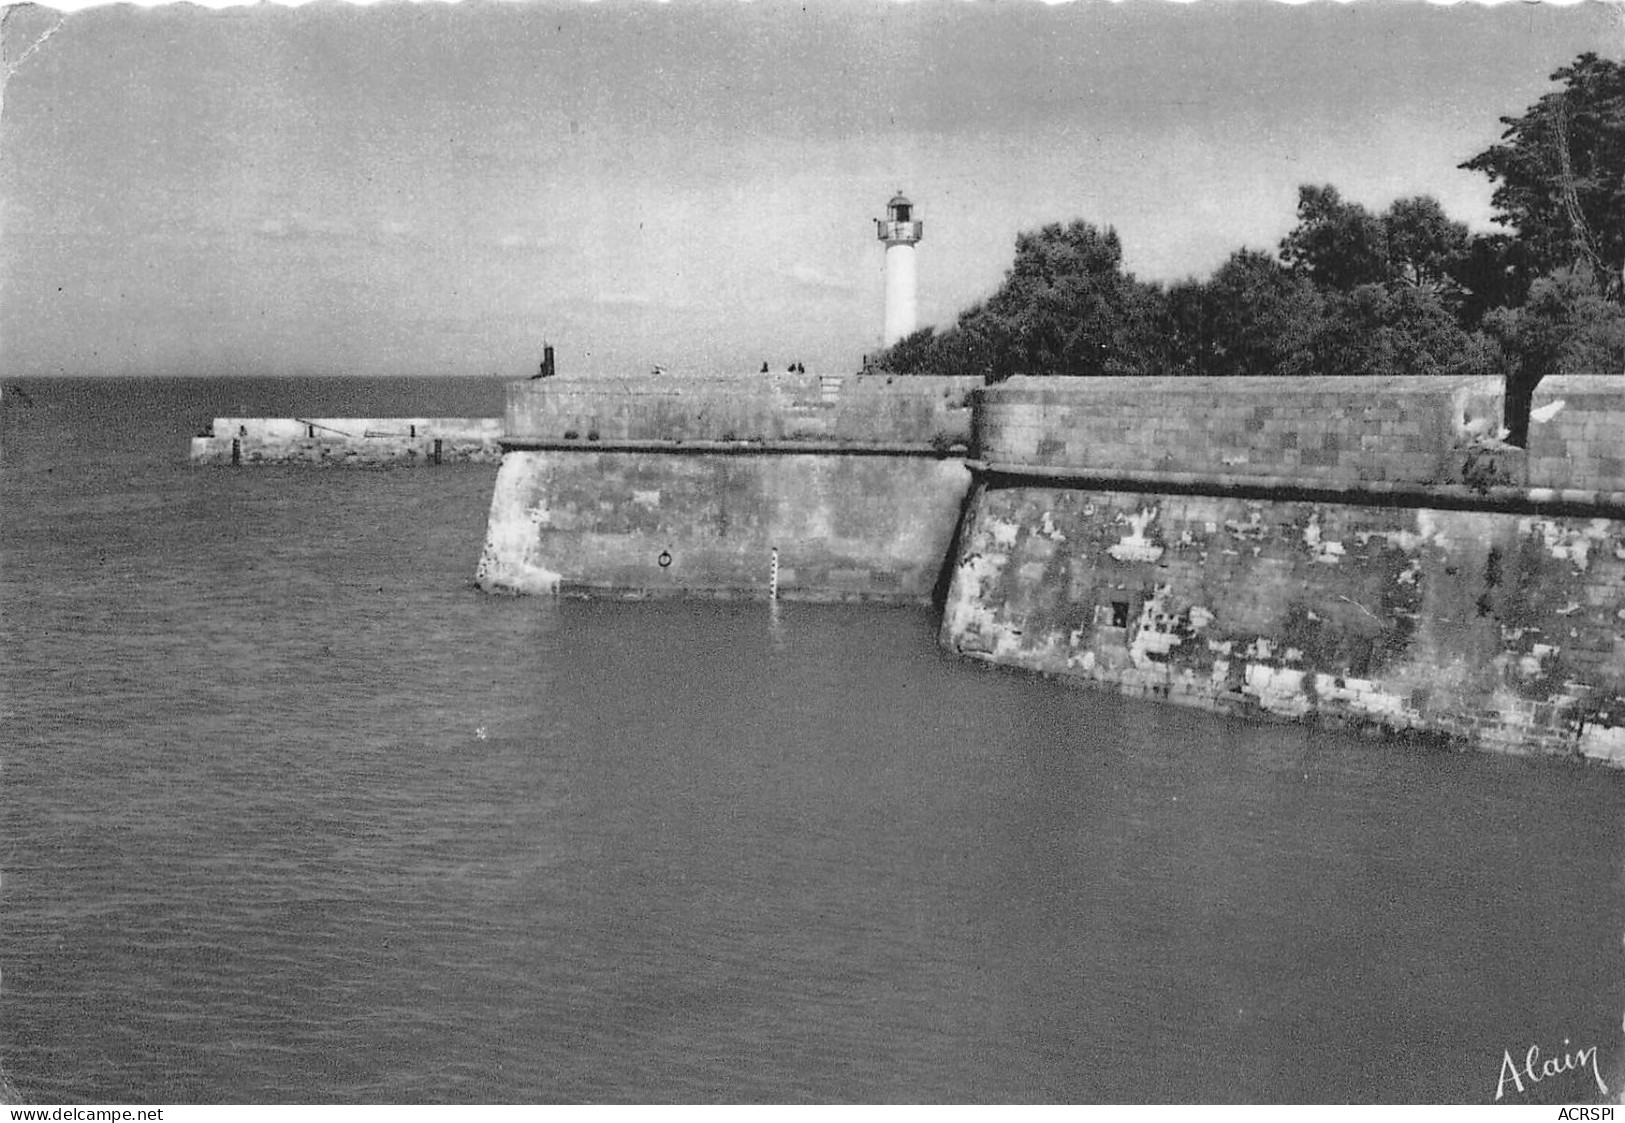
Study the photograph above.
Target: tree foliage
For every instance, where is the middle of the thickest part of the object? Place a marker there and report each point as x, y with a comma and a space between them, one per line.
1341, 246
1255, 316
1565, 326
1393, 330
1337, 245
1068, 307
1559, 172
1426, 249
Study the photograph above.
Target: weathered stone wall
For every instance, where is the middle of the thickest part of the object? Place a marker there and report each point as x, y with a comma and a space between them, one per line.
1500, 629
856, 409
349, 440
1458, 589
667, 485
674, 523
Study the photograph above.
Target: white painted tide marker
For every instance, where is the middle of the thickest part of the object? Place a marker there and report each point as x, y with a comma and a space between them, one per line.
900, 232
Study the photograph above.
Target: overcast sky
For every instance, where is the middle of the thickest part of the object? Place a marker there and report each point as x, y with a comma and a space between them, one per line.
434, 189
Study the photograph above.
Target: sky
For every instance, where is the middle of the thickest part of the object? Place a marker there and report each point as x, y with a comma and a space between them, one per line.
436, 189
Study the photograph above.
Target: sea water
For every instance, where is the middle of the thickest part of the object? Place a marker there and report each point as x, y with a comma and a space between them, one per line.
292, 813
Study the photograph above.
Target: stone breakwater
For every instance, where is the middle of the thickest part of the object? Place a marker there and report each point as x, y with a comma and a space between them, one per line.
349, 440
1353, 551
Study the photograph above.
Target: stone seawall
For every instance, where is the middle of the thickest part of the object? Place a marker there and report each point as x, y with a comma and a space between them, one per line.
715, 522
349, 440
1345, 550
798, 486
1357, 551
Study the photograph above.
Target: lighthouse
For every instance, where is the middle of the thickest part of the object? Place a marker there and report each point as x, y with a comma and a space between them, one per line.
899, 231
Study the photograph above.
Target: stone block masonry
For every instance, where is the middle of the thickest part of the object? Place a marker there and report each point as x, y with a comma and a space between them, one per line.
1172, 540
1303, 431
1577, 434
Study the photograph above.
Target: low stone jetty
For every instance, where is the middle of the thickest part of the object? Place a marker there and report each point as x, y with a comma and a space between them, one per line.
349, 440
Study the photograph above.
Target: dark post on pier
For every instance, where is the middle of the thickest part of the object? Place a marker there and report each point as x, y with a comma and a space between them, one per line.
546, 370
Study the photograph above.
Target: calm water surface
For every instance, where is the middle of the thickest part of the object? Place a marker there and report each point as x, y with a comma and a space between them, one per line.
292, 813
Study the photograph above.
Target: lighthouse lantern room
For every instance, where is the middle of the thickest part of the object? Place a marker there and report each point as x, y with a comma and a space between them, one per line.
899, 230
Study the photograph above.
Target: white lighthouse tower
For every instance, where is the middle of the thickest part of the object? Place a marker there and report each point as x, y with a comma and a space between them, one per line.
899, 231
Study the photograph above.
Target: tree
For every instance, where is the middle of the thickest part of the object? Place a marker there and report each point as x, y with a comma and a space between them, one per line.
1394, 330
1068, 307
1254, 316
1337, 245
1492, 273
1425, 248
916, 353
1340, 245
1390, 287
1187, 330
1559, 172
